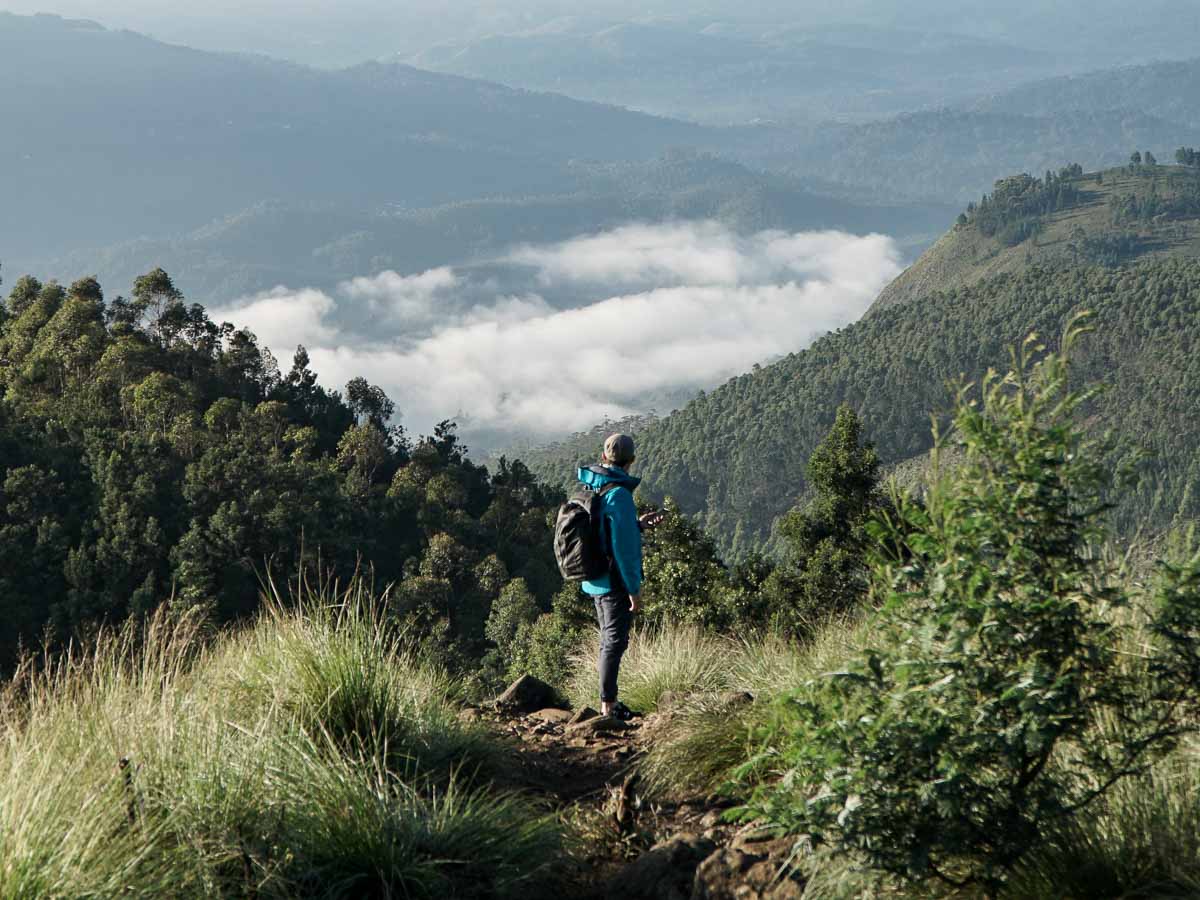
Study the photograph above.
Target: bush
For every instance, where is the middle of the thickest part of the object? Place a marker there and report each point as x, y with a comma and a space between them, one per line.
544, 650
948, 749
824, 571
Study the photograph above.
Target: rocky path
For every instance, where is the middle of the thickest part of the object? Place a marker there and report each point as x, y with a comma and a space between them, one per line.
633, 846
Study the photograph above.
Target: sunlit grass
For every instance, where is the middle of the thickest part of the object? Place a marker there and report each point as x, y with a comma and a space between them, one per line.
316, 754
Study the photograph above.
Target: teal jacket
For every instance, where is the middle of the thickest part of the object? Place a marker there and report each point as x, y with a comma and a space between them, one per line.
620, 528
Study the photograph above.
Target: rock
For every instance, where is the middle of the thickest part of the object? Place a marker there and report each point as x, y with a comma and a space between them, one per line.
599, 726
525, 695
582, 715
469, 714
750, 869
664, 872
710, 819
551, 715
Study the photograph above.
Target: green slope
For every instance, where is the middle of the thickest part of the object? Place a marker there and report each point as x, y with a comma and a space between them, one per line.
1096, 225
735, 457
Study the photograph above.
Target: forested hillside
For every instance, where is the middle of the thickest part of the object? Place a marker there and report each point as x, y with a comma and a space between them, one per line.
319, 245
1066, 217
147, 453
953, 154
736, 456
1166, 90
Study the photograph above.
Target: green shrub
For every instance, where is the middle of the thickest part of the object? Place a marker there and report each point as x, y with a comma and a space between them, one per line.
948, 749
824, 570
543, 649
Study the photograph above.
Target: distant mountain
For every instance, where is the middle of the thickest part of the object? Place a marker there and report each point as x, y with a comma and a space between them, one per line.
107, 136
735, 456
736, 74
1165, 90
276, 242
954, 154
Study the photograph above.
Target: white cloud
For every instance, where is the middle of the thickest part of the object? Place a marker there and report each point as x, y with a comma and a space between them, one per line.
283, 318
406, 298
693, 304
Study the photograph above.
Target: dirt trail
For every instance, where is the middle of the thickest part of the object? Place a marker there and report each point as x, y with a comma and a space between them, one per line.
586, 771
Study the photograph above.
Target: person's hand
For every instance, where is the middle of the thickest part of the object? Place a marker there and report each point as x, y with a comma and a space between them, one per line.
650, 519
635, 602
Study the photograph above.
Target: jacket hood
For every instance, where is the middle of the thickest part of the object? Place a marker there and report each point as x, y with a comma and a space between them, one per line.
598, 476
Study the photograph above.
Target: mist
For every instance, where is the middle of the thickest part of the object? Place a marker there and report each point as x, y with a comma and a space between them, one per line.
658, 311
337, 33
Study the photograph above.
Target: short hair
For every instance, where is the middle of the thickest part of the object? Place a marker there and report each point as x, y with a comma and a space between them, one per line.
618, 450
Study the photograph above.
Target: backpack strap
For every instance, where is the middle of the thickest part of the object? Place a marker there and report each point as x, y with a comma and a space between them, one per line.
604, 535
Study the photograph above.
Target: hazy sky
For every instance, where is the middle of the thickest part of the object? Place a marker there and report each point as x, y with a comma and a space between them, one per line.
346, 31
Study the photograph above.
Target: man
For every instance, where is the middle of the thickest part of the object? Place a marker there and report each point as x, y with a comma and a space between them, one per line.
617, 594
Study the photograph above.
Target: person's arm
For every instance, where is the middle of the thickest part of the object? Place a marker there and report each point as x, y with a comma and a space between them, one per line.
626, 540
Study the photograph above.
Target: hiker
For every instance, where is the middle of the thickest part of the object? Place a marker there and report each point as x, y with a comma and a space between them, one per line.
617, 592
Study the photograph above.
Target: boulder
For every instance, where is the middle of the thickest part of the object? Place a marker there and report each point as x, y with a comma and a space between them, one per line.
525, 695
664, 872
750, 868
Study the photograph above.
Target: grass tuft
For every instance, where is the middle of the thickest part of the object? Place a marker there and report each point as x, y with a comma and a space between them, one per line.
315, 754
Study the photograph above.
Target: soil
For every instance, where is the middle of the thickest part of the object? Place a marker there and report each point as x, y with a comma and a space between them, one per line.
586, 773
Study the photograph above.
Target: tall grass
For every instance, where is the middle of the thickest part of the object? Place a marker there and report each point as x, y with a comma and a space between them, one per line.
342, 669
696, 749
1141, 840
672, 658
315, 755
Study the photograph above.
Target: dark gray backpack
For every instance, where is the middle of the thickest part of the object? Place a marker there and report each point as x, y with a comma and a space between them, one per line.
580, 547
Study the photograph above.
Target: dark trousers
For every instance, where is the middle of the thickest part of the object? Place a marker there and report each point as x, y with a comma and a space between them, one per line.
613, 611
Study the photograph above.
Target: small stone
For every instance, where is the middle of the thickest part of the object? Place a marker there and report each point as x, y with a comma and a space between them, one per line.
582, 715
710, 819
550, 715
470, 714
601, 725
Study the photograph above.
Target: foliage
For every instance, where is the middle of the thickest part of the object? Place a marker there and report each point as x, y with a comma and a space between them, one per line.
1141, 839
824, 570
705, 739
892, 368
950, 747
147, 453
1012, 213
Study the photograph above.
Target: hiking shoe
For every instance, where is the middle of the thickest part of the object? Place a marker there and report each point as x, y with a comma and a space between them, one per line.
621, 712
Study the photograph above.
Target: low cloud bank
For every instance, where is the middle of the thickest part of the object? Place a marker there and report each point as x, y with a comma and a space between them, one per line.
651, 310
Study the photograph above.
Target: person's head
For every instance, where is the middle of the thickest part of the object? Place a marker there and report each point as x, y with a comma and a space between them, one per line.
618, 451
